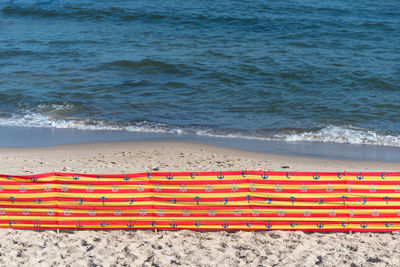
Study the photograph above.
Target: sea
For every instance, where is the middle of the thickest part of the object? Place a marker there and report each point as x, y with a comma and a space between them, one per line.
307, 77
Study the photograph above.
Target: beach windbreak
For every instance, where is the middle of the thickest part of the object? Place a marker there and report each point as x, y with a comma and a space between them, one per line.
223, 200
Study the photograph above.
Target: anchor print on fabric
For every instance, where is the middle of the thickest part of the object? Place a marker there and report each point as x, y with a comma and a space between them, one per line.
104, 224
103, 200
34, 178
292, 199
248, 197
169, 176
224, 201
386, 199
384, 175
264, 176
197, 200
288, 175
126, 178
130, 225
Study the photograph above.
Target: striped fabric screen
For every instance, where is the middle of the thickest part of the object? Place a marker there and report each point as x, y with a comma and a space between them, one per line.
232, 200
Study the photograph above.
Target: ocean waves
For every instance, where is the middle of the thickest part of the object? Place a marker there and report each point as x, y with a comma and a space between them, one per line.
46, 9
345, 135
296, 72
147, 66
56, 116
120, 11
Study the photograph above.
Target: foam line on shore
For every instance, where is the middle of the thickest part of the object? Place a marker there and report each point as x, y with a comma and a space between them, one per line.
345, 134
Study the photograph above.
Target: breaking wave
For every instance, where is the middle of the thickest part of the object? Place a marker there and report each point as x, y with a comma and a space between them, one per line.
345, 135
57, 116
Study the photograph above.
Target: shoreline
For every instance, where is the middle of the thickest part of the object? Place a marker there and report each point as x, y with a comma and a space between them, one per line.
132, 157
30, 137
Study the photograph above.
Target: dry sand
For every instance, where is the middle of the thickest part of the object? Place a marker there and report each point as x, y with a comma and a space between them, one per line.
122, 248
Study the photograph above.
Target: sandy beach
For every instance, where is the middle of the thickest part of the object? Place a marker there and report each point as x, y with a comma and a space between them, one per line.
147, 248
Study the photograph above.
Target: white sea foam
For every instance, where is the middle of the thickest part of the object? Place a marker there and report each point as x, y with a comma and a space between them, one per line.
331, 134
46, 121
345, 135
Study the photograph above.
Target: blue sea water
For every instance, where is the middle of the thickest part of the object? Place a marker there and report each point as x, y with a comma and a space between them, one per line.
308, 71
